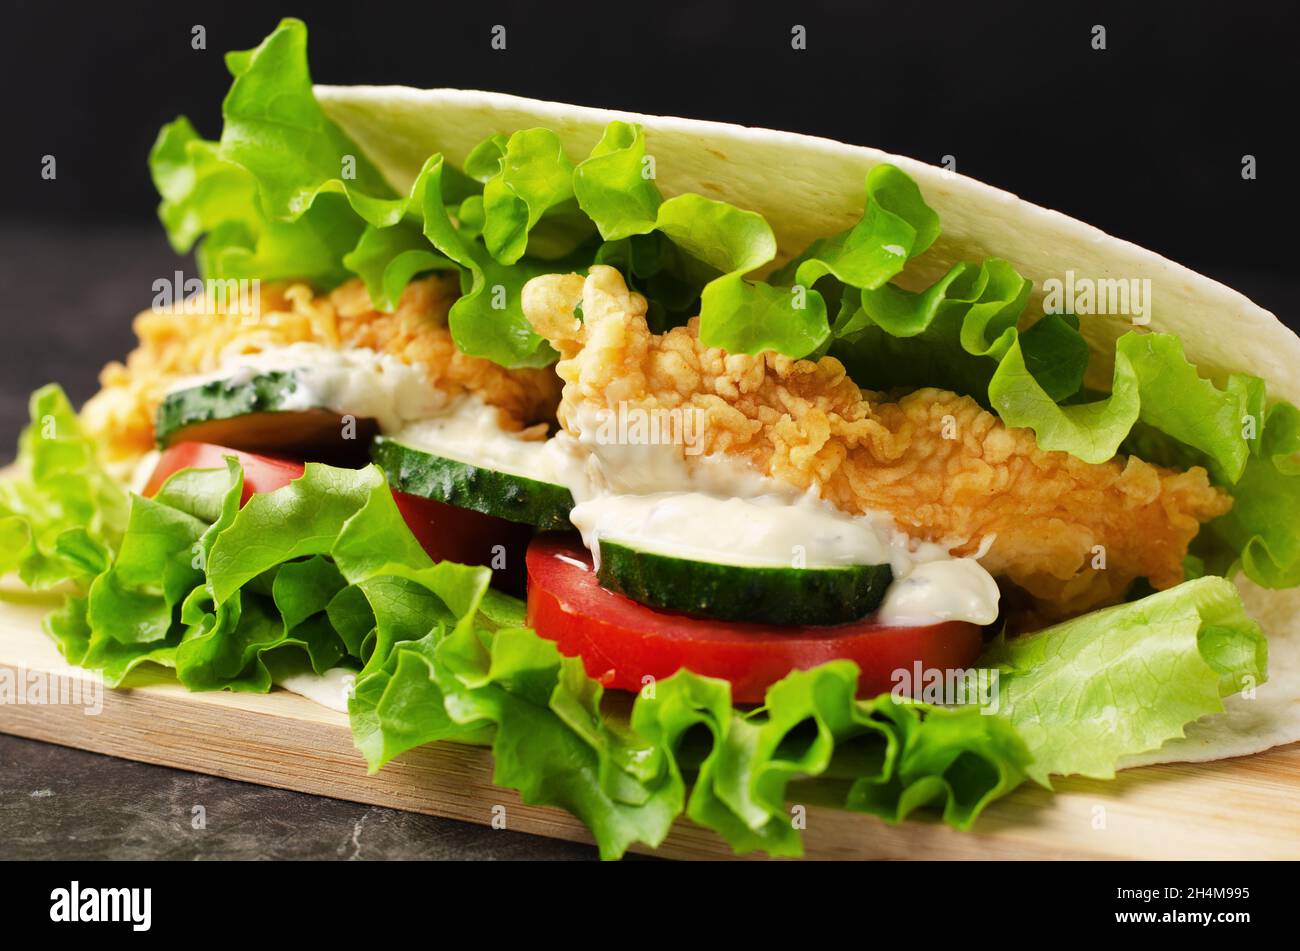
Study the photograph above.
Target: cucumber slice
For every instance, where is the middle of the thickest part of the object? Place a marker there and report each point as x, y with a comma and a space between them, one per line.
259, 413
544, 505
774, 595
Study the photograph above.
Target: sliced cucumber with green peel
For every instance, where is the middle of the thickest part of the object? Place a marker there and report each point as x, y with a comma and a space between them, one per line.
507, 495
729, 592
261, 412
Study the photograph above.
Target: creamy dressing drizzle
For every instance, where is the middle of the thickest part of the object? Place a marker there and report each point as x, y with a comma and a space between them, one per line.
361, 382
948, 589
469, 431
765, 530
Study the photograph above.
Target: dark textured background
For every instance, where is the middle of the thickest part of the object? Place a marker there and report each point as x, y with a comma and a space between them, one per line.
1144, 139
57, 803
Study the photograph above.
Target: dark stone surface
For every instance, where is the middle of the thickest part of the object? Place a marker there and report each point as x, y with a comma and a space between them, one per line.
58, 803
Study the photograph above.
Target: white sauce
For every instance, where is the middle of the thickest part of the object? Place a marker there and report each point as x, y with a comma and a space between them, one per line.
951, 589
765, 530
469, 431
366, 384
591, 465
331, 689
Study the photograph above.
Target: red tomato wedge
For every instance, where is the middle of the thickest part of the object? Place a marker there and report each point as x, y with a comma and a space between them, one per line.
446, 532
621, 642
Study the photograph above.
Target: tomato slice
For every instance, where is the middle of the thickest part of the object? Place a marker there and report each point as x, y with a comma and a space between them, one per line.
450, 533
313, 433
621, 642
446, 532
261, 473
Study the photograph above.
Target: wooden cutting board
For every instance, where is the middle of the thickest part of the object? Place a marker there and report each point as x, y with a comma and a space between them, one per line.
1241, 808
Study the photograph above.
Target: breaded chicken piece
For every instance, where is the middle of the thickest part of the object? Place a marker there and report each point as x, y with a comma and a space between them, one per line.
173, 346
943, 467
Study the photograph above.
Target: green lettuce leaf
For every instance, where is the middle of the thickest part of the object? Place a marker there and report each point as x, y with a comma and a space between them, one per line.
615, 187
199, 190
552, 743
890, 757
434, 671
205, 194
1178, 402
61, 515
1259, 532
133, 613
157, 567
398, 705
670, 279
1153, 382
487, 320
896, 226
956, 331
529, 204
615, 184
387, 259
1123, 680
276, 130
302, 519
285, 193
1091, 431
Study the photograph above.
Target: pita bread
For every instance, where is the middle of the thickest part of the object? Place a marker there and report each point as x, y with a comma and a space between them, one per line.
809, 188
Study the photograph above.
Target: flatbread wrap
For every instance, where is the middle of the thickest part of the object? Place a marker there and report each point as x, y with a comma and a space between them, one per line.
800, 448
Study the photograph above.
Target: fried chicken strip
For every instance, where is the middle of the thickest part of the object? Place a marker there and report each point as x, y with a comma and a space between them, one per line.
1074, 535
173, 346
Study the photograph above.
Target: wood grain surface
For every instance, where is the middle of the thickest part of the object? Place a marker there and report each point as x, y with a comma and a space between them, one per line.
1243, 808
